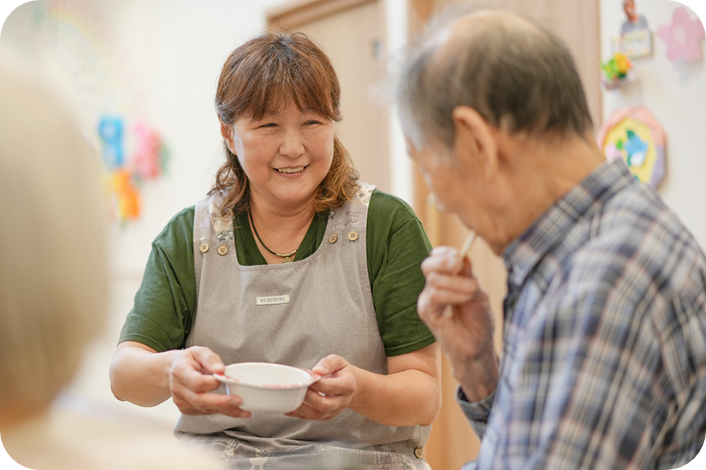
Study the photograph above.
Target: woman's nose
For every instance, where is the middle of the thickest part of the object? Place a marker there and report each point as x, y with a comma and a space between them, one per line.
292, 144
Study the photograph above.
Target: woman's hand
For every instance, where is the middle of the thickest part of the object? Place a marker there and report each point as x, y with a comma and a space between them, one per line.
190, 382
333, 393
145, 377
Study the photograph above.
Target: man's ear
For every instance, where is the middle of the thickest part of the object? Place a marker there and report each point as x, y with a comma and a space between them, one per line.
474, 139
227, 133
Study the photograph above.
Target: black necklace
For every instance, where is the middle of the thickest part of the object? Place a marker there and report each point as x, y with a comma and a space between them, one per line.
285, 258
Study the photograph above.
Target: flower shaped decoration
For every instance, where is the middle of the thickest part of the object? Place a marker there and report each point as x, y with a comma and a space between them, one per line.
615, 70
682, 36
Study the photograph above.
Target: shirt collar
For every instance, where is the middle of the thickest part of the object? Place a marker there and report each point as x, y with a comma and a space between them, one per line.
548, 231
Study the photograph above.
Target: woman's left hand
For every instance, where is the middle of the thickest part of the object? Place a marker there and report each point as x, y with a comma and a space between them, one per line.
333, 393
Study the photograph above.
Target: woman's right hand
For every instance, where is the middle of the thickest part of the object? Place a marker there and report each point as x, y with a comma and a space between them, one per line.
190, 380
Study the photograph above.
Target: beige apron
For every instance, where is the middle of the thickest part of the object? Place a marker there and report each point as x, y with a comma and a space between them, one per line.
329, 311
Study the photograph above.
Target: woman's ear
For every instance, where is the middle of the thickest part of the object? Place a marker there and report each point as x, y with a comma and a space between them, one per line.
474, 142
227, 133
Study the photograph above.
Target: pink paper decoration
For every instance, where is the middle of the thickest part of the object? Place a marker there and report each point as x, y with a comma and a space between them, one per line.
682, 36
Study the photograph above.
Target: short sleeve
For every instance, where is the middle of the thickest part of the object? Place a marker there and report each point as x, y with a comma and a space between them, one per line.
163, 310
396, 247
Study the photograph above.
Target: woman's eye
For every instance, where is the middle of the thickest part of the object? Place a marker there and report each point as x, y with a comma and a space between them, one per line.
269, 124
312, 122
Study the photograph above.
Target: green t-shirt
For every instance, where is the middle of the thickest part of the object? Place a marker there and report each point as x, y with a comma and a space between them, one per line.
163, 312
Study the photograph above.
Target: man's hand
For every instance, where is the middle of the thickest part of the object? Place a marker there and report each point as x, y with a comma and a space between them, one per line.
457, 311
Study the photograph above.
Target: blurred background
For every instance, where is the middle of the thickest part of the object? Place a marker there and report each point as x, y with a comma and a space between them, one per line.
143, 75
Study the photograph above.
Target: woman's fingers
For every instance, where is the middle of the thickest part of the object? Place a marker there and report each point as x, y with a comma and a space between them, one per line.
209, 361
332, 393
318, 407
344, 385
329, 365
191, 382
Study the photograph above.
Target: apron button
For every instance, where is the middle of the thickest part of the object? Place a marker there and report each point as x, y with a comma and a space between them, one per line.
353, 236
222, 250
333, 238
418, 452
203, 248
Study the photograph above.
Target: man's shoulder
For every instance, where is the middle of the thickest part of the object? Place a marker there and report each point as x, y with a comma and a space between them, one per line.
635, 239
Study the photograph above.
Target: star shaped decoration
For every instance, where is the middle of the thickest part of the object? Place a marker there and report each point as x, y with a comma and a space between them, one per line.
682, 36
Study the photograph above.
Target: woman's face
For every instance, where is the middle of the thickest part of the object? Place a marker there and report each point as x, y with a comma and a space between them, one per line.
285, 155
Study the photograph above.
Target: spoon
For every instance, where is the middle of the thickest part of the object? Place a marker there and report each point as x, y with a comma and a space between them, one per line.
467, 245
462, 254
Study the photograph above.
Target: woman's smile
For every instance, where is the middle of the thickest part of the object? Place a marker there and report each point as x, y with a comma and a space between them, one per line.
291, 170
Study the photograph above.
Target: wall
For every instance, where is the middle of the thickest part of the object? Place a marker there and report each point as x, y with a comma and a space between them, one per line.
675, 93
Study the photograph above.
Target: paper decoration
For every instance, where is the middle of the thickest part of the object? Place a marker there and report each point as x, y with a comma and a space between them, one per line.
151, 155
635, 40
635, 44
615, 71
635, 136
147, 161
86, 48
682, 36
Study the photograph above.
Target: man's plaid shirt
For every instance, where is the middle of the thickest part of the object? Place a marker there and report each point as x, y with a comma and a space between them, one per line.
604, 355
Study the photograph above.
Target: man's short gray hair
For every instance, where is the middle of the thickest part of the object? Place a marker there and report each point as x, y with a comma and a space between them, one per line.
516, 75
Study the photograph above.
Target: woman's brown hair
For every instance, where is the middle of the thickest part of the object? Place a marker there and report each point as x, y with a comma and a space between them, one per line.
262, 76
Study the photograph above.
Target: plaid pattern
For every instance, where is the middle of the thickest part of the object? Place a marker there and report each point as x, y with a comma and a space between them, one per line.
604, 359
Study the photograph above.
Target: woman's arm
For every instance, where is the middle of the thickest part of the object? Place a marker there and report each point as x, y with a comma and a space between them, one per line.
142, 376
410, 394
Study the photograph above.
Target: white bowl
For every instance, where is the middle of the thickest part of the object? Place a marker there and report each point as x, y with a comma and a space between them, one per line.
266, 387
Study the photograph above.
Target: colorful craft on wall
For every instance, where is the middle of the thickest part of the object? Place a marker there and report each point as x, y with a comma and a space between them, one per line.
683, 36
635, 136
615, 71
147, 159
635, 40
84, 45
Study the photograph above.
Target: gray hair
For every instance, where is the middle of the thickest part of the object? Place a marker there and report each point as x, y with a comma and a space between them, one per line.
516, 75
53, 279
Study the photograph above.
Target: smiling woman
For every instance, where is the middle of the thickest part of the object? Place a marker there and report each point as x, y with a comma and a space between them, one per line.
287, 220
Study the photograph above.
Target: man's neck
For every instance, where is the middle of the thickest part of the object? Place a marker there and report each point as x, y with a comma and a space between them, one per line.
543, 173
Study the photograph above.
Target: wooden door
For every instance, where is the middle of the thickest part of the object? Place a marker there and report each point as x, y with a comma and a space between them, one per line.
452, 441
352, 33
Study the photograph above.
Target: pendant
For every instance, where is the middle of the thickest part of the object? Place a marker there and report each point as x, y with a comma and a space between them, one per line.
286, 259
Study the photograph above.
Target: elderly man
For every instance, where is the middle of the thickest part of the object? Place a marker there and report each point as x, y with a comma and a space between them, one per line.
604, 352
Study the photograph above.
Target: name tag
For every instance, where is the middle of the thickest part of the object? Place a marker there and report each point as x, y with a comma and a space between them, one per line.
273, 300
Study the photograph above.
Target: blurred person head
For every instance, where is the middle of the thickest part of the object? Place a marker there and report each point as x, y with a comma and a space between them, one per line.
53, 281
629, 9
263, 76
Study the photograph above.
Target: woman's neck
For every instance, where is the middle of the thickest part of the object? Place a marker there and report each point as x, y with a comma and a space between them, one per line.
280, 231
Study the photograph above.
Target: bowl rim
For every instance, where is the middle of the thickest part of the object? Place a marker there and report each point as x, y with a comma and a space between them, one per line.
230, 380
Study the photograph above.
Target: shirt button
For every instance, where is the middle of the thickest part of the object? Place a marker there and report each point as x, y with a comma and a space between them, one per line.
353, 236
203, 248
222, 250
418, 452
333, 238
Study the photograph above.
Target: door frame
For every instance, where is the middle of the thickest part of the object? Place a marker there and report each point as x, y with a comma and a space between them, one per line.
298, 12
